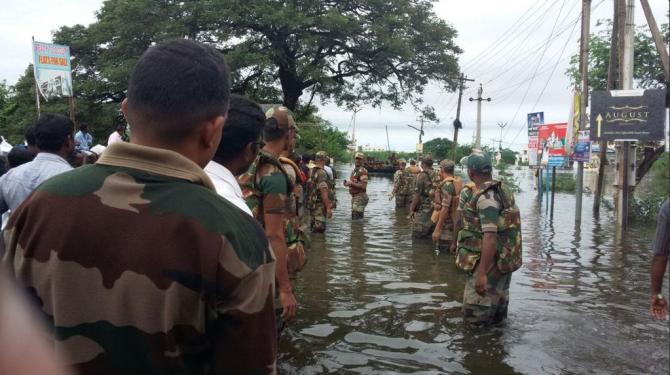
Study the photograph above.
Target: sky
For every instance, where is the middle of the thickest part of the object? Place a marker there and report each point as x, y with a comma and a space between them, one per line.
517, 49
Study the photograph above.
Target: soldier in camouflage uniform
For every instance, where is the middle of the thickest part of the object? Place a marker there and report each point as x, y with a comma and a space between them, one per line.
489, 245
421, 208
296, 239
320, 206
400, 191
358, 184
136, 263
449, 190
266, 188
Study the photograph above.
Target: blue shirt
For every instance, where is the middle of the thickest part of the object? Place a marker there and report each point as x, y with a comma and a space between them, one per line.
17, 184
83, 141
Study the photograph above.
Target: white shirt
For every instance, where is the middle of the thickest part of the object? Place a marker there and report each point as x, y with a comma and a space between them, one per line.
329, 171
226, 185
17, 184
114, 137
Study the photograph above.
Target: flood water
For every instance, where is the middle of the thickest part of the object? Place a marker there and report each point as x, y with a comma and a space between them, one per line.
373, 301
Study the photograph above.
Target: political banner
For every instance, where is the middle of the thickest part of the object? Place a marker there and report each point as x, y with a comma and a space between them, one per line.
53, 73
582, 149
552, 143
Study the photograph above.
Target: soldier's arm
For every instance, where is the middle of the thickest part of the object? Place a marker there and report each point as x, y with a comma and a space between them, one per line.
488, 210
417, 193
447, 196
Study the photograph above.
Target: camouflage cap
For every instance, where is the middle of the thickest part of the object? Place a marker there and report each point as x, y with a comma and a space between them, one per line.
359, 155
283, 117
479, 162
321, 155
447, 164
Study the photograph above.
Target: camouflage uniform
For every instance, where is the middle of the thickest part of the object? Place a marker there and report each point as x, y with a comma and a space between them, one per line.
449, 190
317, 180
423, 225
402, 194
296, 239
139, 267
359, 198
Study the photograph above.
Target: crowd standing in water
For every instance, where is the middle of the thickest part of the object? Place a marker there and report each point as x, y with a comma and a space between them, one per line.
176, 252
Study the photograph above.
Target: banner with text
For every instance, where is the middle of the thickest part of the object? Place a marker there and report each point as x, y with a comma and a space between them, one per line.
534, 120
53, 73
552, 144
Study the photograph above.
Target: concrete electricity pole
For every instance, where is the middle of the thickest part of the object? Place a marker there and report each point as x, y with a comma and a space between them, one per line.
584, 98
479, 99
502, 126
457, 121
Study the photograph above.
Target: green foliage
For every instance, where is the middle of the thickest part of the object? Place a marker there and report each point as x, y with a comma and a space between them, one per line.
508, 178
316, 134
645, 209
441, 148
648, 69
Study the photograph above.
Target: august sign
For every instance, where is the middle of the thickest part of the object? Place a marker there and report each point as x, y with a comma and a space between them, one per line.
628, 114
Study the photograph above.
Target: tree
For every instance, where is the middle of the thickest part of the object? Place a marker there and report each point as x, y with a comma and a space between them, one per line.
316, 134
648, 69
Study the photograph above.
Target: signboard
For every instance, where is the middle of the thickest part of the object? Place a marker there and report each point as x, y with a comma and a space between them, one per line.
628, 115
582, 149
552, 144
534, 120
53, 73
419, 148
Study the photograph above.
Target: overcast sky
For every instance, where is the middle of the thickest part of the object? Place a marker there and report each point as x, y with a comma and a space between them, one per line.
518, 50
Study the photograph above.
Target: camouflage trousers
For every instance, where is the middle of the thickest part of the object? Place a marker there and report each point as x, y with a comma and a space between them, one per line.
318, 218
358, 203
422, 227
489, 309
446, 237
402, 200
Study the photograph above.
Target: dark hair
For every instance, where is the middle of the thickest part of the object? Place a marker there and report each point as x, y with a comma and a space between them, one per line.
272, 131
244, 124
19, 155
177, 84
83, 126
295, 158
52, 131
448, 169
412, 162
30, 135
427, 162
306, 157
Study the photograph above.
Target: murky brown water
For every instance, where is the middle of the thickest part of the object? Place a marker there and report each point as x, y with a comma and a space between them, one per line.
373, 301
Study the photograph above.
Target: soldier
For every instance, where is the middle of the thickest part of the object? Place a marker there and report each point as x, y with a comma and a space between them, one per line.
296, 240
320, 205
489, 247
464, 197
358, 184
449, 189
400, 186
422, 202
266, 188
138, 265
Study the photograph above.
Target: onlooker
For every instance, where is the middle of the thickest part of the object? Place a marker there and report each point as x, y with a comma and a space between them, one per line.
117, 135
30, 139
661, 246
83, 140
239, 146
19, 155
53, 137
150, 271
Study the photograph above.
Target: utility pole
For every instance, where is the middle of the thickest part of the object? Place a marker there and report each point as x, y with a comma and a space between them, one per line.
479, 99
502, 126
584, 98
457, 121
388, 144
658, 39
421, 121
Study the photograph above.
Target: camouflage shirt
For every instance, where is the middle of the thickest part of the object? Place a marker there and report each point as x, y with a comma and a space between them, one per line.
424, 186
265, 187
141, 268
448, 192
317, 180
358, 175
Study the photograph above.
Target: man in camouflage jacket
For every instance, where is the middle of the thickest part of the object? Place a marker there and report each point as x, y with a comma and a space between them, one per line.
135, 261
358, 184
400, 182
449, 189
421, 208
320, 206
482, 244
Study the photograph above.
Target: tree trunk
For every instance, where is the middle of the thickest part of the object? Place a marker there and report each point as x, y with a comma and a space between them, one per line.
651, 154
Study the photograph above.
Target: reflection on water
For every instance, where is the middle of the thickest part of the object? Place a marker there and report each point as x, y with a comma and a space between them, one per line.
374, 301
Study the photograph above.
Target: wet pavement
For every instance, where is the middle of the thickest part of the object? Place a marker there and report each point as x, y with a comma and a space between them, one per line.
373, 301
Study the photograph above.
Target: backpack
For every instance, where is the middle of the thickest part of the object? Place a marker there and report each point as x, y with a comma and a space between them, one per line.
509, 244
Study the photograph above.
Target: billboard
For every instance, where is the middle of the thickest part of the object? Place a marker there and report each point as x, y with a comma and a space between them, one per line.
582, 149
534, 120
628, 115
53, 73
552, 144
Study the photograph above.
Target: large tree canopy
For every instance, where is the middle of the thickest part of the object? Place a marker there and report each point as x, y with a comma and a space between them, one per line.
349, 51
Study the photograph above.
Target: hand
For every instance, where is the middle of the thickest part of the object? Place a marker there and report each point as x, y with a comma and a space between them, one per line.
329, 213
452, 247
391, 195
659, 308
480, 283
436, 235
346, 182
289, 304
411, 215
